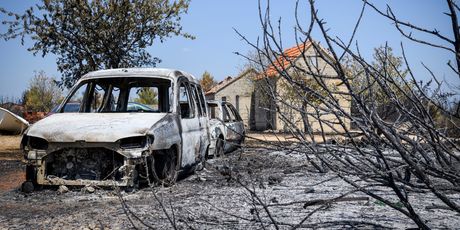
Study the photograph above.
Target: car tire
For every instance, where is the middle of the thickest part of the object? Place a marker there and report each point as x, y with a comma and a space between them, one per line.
30, 184
164, 167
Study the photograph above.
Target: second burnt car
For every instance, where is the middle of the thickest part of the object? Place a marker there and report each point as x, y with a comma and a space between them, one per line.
129, 124
225, 126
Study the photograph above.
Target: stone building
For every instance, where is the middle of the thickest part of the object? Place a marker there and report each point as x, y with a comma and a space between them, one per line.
252, 93
302, 57
238, 91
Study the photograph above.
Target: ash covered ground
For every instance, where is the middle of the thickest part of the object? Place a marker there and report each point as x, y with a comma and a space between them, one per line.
214, 199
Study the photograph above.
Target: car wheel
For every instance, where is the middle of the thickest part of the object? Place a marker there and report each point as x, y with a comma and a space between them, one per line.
30, 184
164, 167
219, 147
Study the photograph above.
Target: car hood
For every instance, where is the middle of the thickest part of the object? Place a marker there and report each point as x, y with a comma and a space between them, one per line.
93, 127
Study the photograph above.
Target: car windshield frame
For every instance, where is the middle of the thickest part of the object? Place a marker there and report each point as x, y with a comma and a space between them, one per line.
96, 95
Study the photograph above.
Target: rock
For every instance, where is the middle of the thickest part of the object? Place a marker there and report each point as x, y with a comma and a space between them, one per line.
62, 189
200, 179
274, 200
309, 190
88, 189
225, 171
274, 179
289, 171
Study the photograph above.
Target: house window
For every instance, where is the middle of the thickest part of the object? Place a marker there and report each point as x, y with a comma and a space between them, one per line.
224, 98
237, 103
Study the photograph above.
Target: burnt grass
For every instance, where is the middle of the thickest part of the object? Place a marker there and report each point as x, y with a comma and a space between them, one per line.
225, 195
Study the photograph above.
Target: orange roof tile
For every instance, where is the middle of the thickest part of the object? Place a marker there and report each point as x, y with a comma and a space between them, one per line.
284, 61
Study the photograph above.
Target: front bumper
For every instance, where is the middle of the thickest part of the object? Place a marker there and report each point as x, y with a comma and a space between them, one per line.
38, 170
85, 166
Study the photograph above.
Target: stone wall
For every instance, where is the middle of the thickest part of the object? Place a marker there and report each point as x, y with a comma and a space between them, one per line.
241, 89
266, 116
293, 116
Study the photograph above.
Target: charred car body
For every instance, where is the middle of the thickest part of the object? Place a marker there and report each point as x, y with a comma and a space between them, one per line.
130, 124
226, 127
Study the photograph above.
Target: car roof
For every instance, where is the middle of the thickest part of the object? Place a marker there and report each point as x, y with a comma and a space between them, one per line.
171, 74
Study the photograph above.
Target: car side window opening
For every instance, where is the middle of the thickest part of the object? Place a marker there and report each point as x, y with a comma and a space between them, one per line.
234, 112
202, 100
228, 116
196, 99
170, 95
185, 102
214, 111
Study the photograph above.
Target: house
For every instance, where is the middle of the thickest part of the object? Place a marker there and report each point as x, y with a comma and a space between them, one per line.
238, 91
253, 93
302, 61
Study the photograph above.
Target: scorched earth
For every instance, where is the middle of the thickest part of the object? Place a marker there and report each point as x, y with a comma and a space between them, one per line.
250, 188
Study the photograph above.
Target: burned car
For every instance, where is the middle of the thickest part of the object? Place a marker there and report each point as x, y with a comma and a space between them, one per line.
226, 127
129, 124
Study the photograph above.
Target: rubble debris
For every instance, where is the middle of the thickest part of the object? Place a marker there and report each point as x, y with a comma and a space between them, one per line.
274, 179
200, 179
63, 189
328, 201
274, 200
213, 204
88, 189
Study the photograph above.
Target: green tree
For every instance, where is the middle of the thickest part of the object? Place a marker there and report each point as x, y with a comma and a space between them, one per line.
89, 35
387, 82
147, 96
207, 81
43, 93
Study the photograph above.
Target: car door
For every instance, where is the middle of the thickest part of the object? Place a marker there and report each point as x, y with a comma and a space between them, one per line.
190, 123
229, 123
238, 124
203, 120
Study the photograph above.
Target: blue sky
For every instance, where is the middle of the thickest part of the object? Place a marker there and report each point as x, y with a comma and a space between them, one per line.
212, 22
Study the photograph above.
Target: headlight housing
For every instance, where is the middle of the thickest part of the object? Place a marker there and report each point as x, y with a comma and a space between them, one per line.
135, 142
34, 143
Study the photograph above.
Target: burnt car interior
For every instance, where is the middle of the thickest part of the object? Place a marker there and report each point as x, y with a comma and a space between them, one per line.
111, 95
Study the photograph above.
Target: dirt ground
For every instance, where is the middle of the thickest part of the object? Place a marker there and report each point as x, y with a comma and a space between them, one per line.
214, 199
11, 165
9, 147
